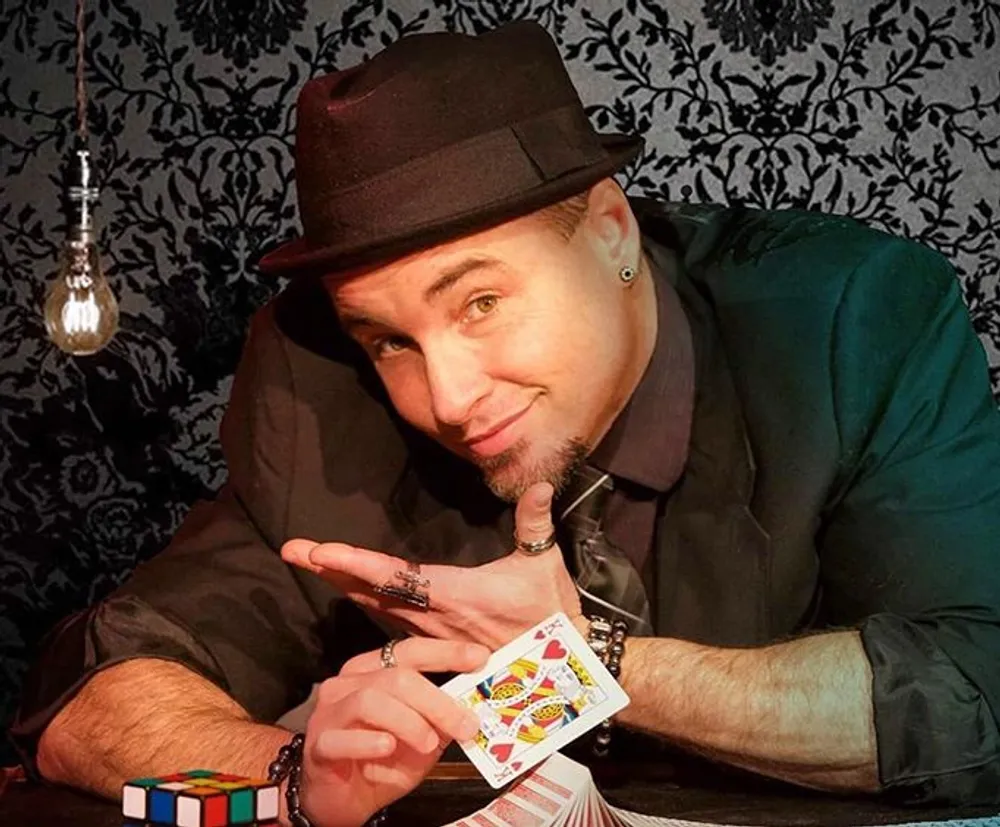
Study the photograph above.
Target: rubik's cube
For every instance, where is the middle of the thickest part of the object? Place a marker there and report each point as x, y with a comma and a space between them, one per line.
200, 798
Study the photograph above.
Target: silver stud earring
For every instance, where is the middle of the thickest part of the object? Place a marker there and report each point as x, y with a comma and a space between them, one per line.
627, 274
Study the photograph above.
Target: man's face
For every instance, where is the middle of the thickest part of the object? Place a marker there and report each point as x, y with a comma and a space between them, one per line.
513, 348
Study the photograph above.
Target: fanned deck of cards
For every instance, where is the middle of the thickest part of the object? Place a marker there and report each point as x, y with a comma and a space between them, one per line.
535, 695
561, 793
557, 793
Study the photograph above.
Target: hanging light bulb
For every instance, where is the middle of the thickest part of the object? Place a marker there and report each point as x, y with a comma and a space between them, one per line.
81, 314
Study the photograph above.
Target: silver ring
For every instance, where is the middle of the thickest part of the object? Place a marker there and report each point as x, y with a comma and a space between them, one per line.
414, 588
388, 655
536, 547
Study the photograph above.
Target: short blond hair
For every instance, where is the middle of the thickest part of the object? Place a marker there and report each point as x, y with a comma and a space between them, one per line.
565, 216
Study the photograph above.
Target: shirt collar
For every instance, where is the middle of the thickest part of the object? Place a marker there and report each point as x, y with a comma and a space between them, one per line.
648, 441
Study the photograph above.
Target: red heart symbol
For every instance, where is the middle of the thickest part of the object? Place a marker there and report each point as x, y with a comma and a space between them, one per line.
554, 650
501, 752
516, 766
539, 634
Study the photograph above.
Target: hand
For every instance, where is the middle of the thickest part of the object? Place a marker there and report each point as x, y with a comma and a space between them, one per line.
489, 604
376, 732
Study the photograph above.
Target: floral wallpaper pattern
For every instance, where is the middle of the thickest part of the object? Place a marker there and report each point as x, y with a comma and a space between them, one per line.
888, 111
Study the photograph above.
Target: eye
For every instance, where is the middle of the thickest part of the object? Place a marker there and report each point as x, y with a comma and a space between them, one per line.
482, 306
388, 346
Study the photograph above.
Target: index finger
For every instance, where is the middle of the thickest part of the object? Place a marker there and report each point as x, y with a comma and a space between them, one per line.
351, 696
363, 564
297, 551
443, 712
423, 654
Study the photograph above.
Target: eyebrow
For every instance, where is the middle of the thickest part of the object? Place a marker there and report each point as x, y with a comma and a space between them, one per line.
452, 275
449, 277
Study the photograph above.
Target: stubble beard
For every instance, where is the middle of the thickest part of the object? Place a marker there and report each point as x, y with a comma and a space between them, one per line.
508, 475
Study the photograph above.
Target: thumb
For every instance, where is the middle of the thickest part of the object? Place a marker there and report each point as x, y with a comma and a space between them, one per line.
533, 515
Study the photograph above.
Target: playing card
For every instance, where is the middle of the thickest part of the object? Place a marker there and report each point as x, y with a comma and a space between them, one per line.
600, 812
535, 695
589, 808
540, 800
561, 782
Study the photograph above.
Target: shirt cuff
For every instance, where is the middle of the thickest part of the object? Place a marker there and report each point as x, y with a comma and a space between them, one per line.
938, 739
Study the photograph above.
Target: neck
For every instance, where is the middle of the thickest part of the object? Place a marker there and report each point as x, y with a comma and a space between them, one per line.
644, 319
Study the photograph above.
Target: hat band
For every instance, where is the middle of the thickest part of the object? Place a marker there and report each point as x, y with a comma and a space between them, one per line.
460, 178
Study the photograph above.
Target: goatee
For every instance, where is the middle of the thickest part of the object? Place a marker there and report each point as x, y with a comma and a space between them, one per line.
508, 477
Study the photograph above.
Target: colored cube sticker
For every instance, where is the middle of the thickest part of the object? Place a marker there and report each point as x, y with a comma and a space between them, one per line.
200, 798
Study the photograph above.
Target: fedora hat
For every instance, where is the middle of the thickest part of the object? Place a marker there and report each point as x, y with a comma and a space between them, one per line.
437, 136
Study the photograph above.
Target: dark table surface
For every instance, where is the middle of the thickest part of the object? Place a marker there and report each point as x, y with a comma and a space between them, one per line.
438, 802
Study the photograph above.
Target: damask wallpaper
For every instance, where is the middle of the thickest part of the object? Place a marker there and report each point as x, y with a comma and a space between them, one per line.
888, 111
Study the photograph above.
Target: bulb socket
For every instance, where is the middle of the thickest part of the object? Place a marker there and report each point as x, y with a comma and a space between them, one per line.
77, 233
81, 193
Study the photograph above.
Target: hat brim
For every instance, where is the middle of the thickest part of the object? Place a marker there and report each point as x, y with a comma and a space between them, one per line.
298, 258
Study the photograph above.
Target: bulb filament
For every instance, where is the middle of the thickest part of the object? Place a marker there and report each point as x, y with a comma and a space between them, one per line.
81, 314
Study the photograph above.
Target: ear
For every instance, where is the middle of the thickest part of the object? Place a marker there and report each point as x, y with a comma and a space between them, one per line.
610, 226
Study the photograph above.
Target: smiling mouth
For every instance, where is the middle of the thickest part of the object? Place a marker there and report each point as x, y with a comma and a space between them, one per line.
496, 438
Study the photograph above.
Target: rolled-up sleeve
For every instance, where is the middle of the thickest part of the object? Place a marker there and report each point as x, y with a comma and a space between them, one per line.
910, 548
219, 599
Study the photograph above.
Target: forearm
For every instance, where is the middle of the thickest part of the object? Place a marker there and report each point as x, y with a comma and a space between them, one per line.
148, 717
800, 710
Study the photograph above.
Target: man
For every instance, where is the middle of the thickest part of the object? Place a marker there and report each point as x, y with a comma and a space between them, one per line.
788, 415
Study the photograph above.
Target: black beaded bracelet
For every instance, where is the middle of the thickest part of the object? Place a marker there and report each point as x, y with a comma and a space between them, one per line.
288, 765
607, 639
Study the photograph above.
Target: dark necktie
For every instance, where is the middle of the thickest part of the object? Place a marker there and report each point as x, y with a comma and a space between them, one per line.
606, 579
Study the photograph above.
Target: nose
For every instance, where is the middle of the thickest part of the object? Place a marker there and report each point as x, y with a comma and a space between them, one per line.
456, 380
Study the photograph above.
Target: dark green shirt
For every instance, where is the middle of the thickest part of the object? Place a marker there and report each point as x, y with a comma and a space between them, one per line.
843, 471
